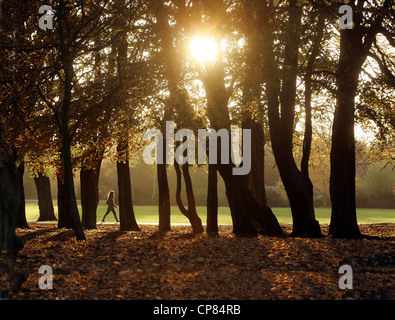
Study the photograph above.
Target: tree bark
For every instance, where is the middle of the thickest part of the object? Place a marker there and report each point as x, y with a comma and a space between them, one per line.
89, 179
45, 204
196, 222
164, 195
256, 177
308, 132
69, 190
299, 190
173, 77
63, 121
298, 187
64, 220
212, 202
191, 212
126, 211
72, 201
20, 221
355, 44
244, 207
252, 108
342, 179
10, 200
66, 138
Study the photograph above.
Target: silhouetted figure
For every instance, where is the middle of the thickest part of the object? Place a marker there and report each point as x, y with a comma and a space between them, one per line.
111, 205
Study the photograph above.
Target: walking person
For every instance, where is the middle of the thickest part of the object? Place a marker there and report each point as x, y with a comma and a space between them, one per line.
111, 205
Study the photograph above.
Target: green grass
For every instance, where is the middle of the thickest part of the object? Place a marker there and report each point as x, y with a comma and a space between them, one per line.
149, 214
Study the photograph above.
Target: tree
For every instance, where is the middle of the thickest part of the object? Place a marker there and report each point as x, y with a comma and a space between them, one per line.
281, 94
132, 73
64, 218
10, 200
164, 195
180, 106
316, 45
355, 45
244, 207
117, 59
89, 178
76, 26
45, 204
19, 66
252, 112
95, 132
126, 212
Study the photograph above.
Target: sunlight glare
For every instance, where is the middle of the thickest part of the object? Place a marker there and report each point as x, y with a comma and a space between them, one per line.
204, 49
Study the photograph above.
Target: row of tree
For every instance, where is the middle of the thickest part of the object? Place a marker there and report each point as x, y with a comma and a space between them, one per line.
374, 182
88, 88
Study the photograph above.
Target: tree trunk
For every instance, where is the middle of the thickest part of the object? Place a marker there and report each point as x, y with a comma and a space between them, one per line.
244, 207
126, 211
251, 101
70, 191
196, 222
163, 187
342, 179
212, 202
355, 44
256, 177
164, 198
298, 187
66, 138
10, 200
63, 122
20, 221
299, 190
45, 204
64, 220
308, 132
191, 212
89, 178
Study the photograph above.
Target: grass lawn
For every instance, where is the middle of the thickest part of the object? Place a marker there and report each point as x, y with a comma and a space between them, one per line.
149, 214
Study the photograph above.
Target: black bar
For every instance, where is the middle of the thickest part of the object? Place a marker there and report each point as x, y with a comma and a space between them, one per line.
200, 309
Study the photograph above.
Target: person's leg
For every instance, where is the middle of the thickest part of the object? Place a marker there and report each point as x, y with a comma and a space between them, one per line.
115, 215
105, 215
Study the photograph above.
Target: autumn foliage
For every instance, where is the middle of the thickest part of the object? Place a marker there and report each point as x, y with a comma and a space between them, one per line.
113, 264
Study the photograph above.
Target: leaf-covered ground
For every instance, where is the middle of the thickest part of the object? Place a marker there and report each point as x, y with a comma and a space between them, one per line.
178, 265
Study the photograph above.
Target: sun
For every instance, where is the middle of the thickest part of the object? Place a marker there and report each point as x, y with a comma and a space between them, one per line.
204, 49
